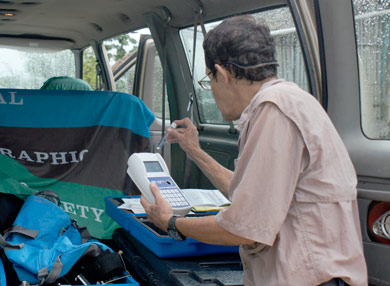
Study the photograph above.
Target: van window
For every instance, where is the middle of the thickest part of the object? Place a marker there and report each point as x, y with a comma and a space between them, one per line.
29, 69
122, 51
288, 53
372, 25
89, 68
125, 83
157, 90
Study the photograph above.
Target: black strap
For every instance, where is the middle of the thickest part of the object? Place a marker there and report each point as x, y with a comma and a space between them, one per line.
198, 18
167, 19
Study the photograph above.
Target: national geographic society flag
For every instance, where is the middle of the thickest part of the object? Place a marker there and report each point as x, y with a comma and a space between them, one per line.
75, 143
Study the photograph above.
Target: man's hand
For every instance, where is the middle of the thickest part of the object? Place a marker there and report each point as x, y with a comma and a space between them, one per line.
161, 211
186, 137
188, 140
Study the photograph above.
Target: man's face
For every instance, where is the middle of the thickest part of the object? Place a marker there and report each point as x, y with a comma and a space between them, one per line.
225, 98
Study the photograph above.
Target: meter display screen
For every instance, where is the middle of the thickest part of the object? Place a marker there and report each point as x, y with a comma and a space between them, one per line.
153, 166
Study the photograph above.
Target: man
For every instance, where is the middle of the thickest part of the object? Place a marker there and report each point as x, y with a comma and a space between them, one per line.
293, 192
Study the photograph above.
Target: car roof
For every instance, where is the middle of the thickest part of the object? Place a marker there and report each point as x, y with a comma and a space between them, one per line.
63, 24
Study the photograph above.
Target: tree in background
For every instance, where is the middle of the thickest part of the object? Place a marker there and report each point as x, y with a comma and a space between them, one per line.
89, 67
116, 49
119, 46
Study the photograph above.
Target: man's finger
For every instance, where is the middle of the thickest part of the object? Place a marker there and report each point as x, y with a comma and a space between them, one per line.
174, 132
173, 135
145, 203
155, 191
183, 121
187, 121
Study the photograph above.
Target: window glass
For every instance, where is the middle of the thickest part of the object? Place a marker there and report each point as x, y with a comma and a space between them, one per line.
30, 68
122, 51
89, 69
157, 90
288, 53
372, 23
125, 83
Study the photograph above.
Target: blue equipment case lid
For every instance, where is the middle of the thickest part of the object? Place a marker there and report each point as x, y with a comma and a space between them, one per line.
157, 241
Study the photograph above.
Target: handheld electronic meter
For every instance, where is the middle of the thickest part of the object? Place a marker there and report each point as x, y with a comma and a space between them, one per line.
144, 168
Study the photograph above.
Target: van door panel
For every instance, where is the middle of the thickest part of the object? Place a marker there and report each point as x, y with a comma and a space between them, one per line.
340, 68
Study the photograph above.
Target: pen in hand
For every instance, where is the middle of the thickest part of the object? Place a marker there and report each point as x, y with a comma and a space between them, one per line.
161, 144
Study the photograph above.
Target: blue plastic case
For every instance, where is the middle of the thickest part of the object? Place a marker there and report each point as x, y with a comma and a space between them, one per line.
157, 241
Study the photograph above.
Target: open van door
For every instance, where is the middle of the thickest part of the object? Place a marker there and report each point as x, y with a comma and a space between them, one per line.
149, 82
354, 40
140, 73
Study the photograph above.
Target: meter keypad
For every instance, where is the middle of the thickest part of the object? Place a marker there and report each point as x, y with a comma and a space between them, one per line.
170, 191
174, 197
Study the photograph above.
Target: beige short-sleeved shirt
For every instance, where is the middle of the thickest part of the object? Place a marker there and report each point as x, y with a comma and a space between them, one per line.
294, 192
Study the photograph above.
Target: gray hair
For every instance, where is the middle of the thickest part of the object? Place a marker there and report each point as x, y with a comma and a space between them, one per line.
244, 46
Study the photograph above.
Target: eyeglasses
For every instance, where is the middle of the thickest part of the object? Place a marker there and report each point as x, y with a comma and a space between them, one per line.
205, 82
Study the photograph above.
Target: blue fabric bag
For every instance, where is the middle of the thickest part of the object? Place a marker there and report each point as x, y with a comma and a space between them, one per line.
44, 243
3, 281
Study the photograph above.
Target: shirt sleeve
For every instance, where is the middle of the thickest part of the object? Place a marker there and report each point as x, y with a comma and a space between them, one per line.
265, 178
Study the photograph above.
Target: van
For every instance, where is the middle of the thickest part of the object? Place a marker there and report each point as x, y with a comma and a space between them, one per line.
338, 51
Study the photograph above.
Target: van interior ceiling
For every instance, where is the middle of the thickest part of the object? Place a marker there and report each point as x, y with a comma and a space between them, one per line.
75, 22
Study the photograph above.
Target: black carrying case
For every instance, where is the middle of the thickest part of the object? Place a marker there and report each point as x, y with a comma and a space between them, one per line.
148, 269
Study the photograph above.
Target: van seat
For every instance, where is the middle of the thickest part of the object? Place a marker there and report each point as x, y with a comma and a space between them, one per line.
66, 83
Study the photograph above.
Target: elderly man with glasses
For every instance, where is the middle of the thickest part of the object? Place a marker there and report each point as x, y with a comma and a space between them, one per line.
293, 192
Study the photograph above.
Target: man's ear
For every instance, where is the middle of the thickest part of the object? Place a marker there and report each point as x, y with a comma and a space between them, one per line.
225, 74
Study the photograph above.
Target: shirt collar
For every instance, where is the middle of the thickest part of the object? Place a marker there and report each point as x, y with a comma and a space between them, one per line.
248, 110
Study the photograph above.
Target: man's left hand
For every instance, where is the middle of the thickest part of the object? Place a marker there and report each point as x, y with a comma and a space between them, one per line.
161, 211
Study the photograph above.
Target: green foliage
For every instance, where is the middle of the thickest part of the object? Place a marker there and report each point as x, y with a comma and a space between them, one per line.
119, 46
116, 49
89, 67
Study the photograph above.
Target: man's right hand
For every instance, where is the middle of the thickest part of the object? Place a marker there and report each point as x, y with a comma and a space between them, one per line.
188, 140
186, 137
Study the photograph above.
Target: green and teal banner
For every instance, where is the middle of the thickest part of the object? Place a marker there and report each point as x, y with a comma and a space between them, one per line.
75, 143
